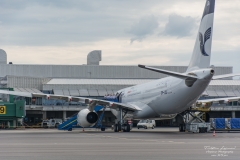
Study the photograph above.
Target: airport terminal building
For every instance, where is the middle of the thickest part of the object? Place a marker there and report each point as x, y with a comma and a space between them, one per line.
94, 80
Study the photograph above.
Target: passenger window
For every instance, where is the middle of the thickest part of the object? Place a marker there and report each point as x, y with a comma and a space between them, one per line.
147, 121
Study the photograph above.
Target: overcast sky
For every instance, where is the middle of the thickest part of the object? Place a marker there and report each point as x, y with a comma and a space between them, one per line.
129, 32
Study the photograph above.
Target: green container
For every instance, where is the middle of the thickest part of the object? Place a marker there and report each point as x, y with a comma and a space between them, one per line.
20, 109
15, 110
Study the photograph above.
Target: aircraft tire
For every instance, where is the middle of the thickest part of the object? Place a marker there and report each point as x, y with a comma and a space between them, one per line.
119, 127
128, 128
115, 128
124, 128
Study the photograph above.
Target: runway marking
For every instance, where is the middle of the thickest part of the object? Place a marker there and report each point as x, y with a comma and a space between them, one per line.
142, 140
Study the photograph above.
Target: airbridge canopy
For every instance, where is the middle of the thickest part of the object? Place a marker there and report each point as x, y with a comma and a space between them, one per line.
221, 93
84, 92
29, 90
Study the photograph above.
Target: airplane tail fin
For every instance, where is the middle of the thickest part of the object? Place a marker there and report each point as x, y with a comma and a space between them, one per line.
202, 50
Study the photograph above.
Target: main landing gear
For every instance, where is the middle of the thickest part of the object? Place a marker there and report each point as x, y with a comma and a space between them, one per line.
120, 125
125, 127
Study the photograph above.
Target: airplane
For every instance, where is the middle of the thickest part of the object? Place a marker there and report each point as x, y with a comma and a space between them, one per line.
158, 99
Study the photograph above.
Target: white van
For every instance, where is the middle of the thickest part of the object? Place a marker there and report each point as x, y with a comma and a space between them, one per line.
51, 123
146, 124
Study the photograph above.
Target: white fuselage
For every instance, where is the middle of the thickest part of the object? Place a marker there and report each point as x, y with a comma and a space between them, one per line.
165, 96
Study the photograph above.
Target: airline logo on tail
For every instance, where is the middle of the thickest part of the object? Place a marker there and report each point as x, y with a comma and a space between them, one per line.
202, 41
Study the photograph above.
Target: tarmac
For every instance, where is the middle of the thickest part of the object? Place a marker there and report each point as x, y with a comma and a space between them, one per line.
142, 144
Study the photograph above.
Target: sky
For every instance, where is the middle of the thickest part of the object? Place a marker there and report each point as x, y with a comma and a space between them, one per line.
129, 32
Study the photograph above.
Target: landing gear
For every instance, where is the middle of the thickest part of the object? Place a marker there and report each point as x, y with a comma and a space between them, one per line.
126, 128
120, 124
117, 127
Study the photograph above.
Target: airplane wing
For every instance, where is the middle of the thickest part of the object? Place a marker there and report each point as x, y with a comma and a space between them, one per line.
116, 105
225, 76
220, 100
109, 104
170, 73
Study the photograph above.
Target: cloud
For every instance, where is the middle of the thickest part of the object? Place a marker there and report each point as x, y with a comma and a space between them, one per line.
179, 26
40, 23
42, 29
145, 26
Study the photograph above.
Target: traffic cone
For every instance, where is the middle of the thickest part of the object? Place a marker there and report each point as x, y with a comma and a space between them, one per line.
214, 133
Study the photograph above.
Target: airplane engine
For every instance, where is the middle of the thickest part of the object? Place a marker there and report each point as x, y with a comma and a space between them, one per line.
87, 118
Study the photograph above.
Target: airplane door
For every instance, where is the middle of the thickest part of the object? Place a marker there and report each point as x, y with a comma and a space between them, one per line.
120, 96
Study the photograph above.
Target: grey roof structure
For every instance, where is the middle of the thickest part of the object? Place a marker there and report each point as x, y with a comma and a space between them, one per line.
92, 71
56, 81
99, 87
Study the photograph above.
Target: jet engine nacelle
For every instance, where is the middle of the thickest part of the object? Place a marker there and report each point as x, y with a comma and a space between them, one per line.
87, 118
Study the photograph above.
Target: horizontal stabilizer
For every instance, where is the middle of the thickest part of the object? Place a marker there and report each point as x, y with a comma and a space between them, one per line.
170, 73
225, 76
